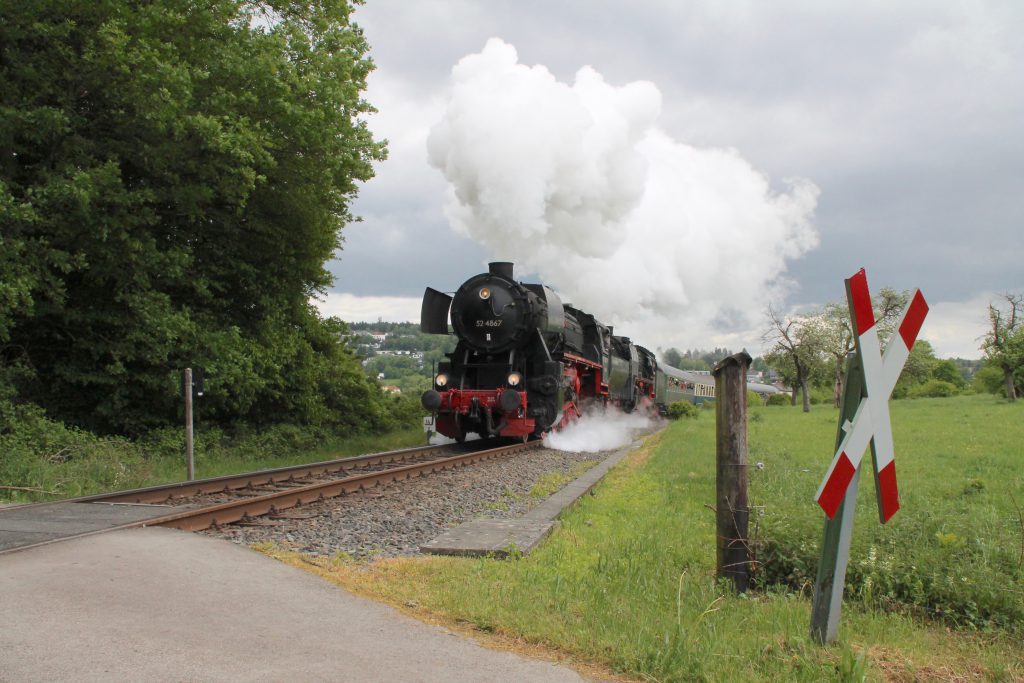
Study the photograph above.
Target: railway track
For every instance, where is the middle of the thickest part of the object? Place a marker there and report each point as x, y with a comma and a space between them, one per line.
197, 505
289, 496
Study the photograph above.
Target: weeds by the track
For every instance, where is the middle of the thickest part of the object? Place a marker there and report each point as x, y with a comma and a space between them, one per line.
63, 463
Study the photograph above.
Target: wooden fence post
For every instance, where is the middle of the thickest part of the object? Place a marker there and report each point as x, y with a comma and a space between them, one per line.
732, 511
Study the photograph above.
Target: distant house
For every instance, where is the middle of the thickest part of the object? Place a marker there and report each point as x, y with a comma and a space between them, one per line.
391, 389
379, 337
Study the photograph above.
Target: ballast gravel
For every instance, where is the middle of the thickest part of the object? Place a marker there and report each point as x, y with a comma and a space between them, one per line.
394, 520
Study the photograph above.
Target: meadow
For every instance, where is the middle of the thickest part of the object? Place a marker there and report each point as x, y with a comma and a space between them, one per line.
627, 583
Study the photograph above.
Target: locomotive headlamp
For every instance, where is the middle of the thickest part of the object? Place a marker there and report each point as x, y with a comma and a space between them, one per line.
514, 379
485, 293
441, 380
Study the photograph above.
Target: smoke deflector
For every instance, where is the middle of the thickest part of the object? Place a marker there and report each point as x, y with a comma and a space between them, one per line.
434, 312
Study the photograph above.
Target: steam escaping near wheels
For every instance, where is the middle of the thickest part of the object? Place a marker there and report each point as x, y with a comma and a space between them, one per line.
600, 429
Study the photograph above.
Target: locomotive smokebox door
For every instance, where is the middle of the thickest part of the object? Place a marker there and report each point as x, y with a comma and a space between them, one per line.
434, 312
491, 314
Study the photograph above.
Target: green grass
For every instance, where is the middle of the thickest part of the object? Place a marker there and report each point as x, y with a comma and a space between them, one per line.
628, 580
555, 481
56, 462
955, 551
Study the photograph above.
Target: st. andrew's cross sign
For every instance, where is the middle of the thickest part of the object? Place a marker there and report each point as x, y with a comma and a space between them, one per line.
871, 421
864, 418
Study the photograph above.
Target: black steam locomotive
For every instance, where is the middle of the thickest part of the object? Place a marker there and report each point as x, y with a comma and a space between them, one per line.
526, 362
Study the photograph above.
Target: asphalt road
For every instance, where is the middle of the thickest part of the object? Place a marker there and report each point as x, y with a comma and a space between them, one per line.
164, 605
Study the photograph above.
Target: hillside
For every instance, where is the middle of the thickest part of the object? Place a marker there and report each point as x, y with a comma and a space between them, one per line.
399, 355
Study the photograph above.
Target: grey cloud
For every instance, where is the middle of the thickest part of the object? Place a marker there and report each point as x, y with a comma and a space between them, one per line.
909, 117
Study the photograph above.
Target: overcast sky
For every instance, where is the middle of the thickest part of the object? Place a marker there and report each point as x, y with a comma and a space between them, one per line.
906, 118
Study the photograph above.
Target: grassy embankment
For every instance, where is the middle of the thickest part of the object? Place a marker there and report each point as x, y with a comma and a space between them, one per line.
54, 461
627, 582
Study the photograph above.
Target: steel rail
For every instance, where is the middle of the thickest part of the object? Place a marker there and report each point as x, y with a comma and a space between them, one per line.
185, 489
234, 511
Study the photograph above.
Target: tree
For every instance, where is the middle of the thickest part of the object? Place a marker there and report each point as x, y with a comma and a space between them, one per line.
832, 333
948, 371
672, 357
795, 352
1004, 343
919, 368
174, 177
693, 359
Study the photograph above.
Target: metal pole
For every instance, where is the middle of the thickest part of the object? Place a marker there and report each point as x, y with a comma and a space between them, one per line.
188, 425
732, 510
433, 374
835, 546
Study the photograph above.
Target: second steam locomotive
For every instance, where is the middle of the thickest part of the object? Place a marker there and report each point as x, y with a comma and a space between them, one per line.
526, 362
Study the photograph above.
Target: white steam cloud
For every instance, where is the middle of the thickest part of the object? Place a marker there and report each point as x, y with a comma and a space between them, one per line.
598, 430
578, 184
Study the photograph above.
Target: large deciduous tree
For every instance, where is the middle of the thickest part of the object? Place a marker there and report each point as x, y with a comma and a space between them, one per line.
173, 177
1004, 343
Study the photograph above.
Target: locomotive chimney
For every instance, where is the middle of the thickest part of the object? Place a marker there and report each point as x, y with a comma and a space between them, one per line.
501, 269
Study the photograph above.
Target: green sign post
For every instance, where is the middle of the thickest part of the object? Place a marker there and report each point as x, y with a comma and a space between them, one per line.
863, 419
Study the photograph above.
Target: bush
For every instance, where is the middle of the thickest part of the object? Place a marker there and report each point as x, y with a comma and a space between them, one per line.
898, 573
45, 458
754, 398
42, 458
989, 380
778, 400
404, 411
823, 395
933, 388
682, 409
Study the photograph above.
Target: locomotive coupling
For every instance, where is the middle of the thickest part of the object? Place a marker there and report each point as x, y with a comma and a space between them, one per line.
431, 400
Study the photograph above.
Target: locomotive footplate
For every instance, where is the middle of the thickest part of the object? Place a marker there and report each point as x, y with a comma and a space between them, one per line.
580, 360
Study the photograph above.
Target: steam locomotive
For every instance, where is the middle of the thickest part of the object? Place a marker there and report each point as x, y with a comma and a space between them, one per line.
526, 362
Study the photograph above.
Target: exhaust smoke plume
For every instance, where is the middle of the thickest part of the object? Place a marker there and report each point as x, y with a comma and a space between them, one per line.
577, 183
598, 430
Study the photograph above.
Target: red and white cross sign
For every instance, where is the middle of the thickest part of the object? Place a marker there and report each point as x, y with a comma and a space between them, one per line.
871, 421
